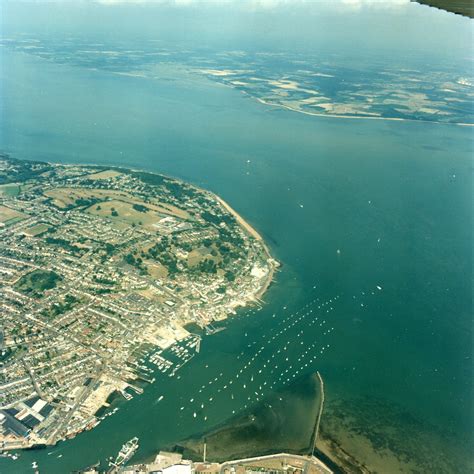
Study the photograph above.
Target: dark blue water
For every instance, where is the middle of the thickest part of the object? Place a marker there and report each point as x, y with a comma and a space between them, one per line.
345, 205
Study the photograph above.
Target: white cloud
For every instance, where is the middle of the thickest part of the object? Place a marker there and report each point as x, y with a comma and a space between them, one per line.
336, 5
374, 3
262, 3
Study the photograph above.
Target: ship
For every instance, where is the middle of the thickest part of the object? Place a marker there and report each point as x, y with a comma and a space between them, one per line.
125, 453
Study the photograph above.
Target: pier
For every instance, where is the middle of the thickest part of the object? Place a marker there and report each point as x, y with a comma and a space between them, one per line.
320, 413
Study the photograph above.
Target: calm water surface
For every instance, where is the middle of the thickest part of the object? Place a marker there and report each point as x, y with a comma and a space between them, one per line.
345, 205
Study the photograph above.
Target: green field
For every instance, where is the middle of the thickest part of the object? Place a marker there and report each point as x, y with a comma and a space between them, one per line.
37, 229
9, 190
9, 216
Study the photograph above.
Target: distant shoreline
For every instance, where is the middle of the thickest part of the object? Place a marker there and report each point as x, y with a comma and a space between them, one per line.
353, 117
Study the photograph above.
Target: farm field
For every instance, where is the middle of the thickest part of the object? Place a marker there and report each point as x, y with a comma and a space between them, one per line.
10, 216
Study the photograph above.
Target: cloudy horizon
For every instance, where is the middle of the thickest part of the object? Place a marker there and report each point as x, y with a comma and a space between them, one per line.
352, 26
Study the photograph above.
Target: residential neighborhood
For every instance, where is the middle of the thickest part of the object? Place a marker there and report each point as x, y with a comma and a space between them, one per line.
101, 273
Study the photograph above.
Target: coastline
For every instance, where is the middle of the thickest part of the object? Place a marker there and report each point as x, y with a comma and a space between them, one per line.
354, 117
274, 264
239, 218
264, 262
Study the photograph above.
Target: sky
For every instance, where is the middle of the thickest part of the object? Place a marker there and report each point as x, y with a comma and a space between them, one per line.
353, 26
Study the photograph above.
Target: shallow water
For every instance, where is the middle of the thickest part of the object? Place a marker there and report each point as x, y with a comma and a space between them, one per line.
345, 205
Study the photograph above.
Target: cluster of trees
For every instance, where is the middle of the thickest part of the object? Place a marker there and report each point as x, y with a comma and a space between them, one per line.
149, 178
170, 262
109, 248
79, 202
61, 308
103, 281
136, 262
84, 202
37, 281
217, 219
229, 275
207, 266
22, 170
163, 246
65, 244
131, 260
232, 238
178, 190
140, 208
161, 252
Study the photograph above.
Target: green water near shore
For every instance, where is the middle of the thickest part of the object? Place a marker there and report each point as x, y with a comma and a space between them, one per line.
283, 422
346, 205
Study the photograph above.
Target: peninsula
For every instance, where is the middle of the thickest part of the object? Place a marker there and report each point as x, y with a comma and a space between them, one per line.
101, 271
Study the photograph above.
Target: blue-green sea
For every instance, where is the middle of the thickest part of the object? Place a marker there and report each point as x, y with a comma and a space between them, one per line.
374, 215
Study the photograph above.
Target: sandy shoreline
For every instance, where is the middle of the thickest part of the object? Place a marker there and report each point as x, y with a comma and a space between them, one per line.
357, 117
272, 262
240, 219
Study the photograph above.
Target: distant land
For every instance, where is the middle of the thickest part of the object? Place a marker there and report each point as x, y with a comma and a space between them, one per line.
101, 271
311, 83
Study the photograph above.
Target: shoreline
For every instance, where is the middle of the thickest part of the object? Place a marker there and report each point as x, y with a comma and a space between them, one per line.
261, 286
352, 117
274, 264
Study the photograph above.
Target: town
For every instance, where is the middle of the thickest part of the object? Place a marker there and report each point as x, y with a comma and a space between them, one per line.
102, 272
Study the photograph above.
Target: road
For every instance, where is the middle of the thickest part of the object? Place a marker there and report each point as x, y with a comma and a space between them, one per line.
306, 460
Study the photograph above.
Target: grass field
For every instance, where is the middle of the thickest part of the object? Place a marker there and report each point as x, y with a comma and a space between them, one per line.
10, 190
37, 229
156, 270
10, 216
64, 197
198, 255
121, 211
106, 174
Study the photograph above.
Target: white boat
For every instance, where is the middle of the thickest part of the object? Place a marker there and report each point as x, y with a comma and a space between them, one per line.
125, 453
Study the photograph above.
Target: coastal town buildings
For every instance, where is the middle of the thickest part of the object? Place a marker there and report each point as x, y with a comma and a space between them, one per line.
101, 273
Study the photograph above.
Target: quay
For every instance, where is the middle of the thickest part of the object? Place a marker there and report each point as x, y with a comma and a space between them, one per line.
173, 463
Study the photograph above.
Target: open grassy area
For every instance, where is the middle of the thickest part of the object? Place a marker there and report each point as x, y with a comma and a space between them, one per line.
10, 190
122, 211
156, 270
106, 174
67, 197
198, 255
37, 281
10, 216
37, 229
